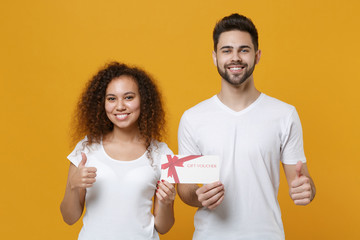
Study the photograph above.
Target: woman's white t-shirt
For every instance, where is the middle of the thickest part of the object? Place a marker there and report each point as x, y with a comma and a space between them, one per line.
118, 205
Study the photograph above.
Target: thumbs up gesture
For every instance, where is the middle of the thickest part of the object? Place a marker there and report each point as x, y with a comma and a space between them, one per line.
300, 188
83, 177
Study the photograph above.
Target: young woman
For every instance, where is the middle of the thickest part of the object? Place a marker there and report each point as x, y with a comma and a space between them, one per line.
115, 169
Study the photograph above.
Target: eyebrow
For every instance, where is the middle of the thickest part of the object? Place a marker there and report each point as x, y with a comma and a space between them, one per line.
111, 94
242, 46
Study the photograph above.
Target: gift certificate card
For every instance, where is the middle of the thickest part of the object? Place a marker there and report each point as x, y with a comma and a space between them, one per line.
190, 168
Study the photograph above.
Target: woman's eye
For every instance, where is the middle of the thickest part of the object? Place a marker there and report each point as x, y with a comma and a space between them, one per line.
129, 97
111, 99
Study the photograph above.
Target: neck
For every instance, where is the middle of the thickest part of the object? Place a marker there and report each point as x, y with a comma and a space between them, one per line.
123, 135
238, 97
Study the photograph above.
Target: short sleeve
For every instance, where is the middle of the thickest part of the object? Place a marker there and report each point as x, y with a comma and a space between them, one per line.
292, 149
162, 148
159, 149
75, 155
187, 144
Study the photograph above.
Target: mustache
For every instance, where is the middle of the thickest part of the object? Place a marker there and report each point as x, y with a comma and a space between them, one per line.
235, 63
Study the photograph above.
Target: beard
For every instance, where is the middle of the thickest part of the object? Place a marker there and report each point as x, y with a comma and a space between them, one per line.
235, 79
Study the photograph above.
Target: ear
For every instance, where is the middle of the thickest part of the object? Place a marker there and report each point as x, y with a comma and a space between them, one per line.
257, 56
214, 58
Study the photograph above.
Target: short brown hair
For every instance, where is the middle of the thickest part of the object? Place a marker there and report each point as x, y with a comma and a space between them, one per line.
235, 22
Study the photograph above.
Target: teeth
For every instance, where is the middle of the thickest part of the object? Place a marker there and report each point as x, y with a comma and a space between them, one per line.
121, 116
236, 68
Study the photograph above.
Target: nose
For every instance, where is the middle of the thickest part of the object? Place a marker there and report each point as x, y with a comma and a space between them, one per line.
236, 57
120, 106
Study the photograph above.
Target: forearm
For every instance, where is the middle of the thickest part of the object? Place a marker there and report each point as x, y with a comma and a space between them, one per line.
164, 217
187, 193
72, 205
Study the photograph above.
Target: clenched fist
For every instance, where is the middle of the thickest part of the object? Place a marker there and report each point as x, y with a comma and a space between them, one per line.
300, 188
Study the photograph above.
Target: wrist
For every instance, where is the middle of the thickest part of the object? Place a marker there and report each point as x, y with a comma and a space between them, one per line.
72, 187
166, 204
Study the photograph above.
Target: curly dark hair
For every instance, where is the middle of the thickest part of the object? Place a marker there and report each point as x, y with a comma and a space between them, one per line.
90, 118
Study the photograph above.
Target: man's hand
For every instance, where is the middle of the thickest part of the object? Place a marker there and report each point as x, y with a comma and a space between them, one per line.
211, 195
300, 188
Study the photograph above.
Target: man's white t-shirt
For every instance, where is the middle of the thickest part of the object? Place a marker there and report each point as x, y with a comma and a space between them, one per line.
251, 143
118, 205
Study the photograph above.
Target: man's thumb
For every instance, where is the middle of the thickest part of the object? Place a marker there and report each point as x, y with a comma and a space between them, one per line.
83, 160
298, 168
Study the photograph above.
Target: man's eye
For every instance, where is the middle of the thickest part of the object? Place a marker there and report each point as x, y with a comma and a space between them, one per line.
244, 50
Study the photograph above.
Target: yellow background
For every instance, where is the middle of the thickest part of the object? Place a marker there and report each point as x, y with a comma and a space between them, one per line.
49, 49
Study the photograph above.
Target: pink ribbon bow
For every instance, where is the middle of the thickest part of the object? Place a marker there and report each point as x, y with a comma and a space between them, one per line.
176, 162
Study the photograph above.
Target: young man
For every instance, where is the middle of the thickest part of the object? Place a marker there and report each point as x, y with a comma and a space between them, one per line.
252, 133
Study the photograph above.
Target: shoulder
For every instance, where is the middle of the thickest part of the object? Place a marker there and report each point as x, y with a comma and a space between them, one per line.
159, 148
276, 103
82, 146
199, 109
284, 114
275, 107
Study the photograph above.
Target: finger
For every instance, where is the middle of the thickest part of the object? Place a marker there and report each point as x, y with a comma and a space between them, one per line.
158, 196
208, 187
168, 185
217, 203
164, 188
302, 202
86, 185
209, 194
213, 200
88, 180
161, 192
91, 175
165, 192
300, 189
300, 181
84, 172
92, 169
298, 168
83, 160
300, 196
163, 197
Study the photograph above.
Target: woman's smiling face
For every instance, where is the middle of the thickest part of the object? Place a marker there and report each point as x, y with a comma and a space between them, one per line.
122, 102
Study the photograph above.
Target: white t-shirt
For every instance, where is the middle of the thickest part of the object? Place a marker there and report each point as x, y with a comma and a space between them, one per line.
118, 205
251, 143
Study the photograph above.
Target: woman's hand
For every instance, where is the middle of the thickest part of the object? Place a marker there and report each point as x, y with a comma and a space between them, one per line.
83, 177
165, 192
79, 178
